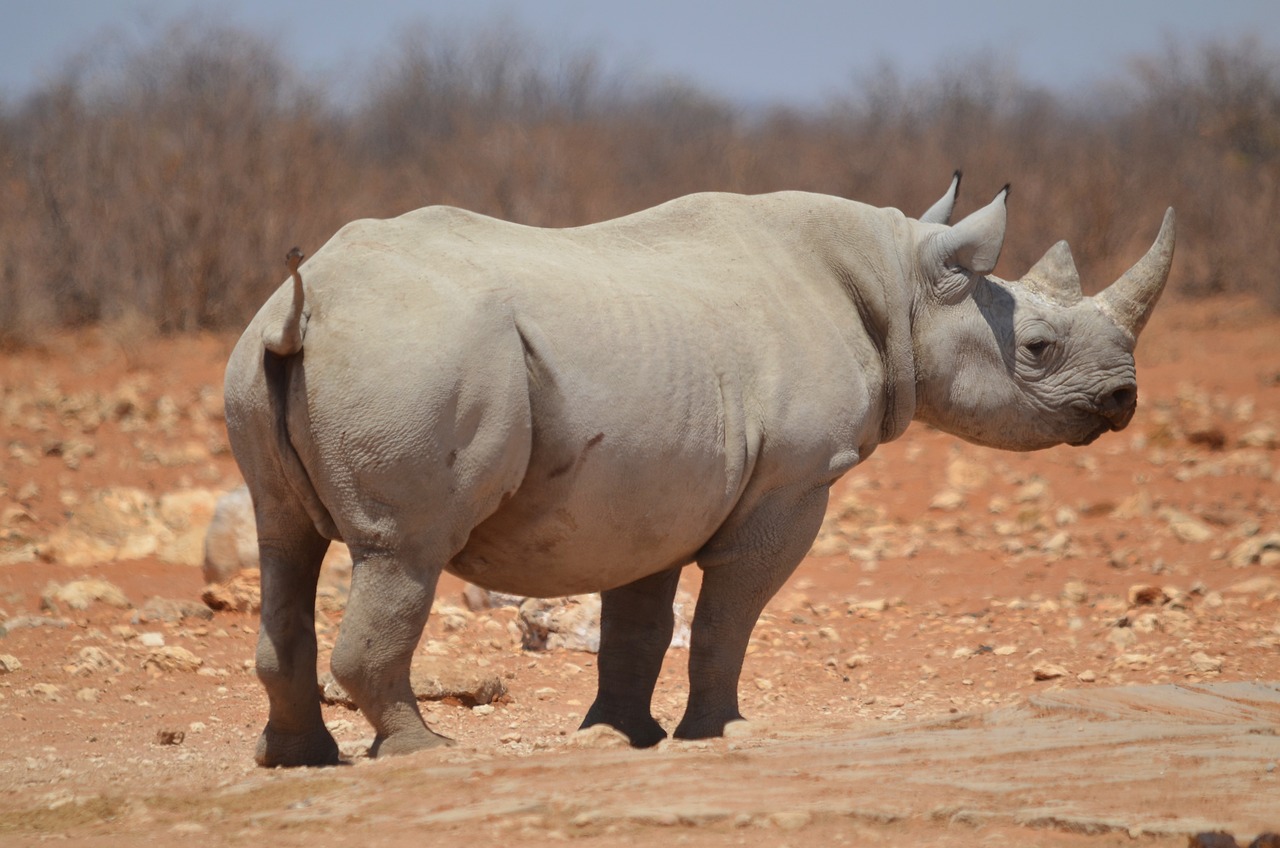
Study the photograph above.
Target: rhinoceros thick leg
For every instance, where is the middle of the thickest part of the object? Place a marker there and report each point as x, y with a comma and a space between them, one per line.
391, 595
635, 631
744, 566
291, 552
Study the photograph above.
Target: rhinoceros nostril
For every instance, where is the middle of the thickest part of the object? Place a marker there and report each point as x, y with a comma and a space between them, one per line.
1117, 406
1121, 399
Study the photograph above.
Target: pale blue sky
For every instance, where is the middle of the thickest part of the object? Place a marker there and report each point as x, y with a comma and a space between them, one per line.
754, 51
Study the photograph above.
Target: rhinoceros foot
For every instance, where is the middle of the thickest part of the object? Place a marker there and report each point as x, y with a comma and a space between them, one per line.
287, 750
407, 741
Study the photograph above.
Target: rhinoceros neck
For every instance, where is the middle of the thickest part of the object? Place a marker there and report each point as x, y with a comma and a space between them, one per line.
871, 254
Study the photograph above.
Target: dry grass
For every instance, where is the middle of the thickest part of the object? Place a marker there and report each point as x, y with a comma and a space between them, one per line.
164, 183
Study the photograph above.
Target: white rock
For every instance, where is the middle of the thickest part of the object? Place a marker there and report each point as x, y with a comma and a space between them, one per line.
231, 542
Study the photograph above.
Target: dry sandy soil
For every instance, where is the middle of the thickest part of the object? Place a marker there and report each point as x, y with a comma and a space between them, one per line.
1074, 647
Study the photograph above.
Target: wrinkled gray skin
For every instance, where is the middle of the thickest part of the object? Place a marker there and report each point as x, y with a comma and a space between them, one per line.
550, 412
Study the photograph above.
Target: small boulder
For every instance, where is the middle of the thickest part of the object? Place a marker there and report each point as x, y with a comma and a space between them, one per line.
231, 542
80, 594
171, 658
241, 593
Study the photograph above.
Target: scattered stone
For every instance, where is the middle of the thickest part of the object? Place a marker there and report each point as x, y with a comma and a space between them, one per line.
9, 664
93, 660
573, 623
1255, 586
1262, 436
1146, 595
967, 475
1259, 550
22, 621
1212, 839
599, 737
88, 695
948, 500
1087, 676
48, 691
172, 611
1122, 637
231, 542
1186, 528
126, 523
1075, 592
242, 593
170, 737
80, 594
172, 658
791, 819
185, 514
151, 639
1048, 671
1202, 663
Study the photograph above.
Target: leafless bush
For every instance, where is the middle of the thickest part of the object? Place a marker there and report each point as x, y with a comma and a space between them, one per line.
160, 185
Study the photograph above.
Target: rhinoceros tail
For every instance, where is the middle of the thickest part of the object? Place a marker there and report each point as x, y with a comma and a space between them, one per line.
284, 338
278, 371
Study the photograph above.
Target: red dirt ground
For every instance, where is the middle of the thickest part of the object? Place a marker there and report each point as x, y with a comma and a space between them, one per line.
948, 580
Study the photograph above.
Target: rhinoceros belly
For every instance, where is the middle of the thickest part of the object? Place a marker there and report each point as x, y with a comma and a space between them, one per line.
603, 522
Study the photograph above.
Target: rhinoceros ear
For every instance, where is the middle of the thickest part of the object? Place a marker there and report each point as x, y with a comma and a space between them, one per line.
940, 212
1055, 276
974, 243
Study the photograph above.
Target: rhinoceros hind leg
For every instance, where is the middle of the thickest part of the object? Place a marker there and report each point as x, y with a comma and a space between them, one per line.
291, 552
635, 630
743, 567
390, 599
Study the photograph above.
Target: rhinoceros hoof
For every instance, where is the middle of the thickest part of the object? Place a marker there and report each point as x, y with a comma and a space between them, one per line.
407, 742
288, 750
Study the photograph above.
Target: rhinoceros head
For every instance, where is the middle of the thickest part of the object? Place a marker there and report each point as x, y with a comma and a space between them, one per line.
1029, 363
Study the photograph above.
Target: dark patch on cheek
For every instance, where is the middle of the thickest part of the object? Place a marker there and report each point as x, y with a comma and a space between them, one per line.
452, 458
561, 470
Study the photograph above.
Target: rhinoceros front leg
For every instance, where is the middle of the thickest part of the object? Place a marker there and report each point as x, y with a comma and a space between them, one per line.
291, 552
635, 630
743, 567
391, 595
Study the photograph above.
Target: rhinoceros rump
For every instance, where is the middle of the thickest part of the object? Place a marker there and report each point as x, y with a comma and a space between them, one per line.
549, 412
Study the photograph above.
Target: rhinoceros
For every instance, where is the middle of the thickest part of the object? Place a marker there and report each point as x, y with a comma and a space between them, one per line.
557, 411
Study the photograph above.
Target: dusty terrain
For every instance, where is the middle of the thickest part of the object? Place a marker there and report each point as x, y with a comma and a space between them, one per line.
967, 656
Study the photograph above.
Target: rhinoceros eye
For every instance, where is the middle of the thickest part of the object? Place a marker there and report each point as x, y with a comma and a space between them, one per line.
1036, 347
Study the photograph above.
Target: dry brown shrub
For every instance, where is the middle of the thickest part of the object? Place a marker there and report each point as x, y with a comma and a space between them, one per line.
163, 183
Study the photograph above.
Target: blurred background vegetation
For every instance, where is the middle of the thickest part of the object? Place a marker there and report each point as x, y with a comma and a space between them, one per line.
158, 186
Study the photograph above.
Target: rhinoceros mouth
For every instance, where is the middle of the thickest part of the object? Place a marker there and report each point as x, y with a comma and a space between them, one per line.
1103, 427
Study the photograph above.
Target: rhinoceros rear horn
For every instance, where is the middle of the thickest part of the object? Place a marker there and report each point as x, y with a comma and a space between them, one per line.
940, 212
1055, 276
1129, 300
974, 243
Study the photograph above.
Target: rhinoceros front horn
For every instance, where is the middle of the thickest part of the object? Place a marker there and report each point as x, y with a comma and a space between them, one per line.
1129, 300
